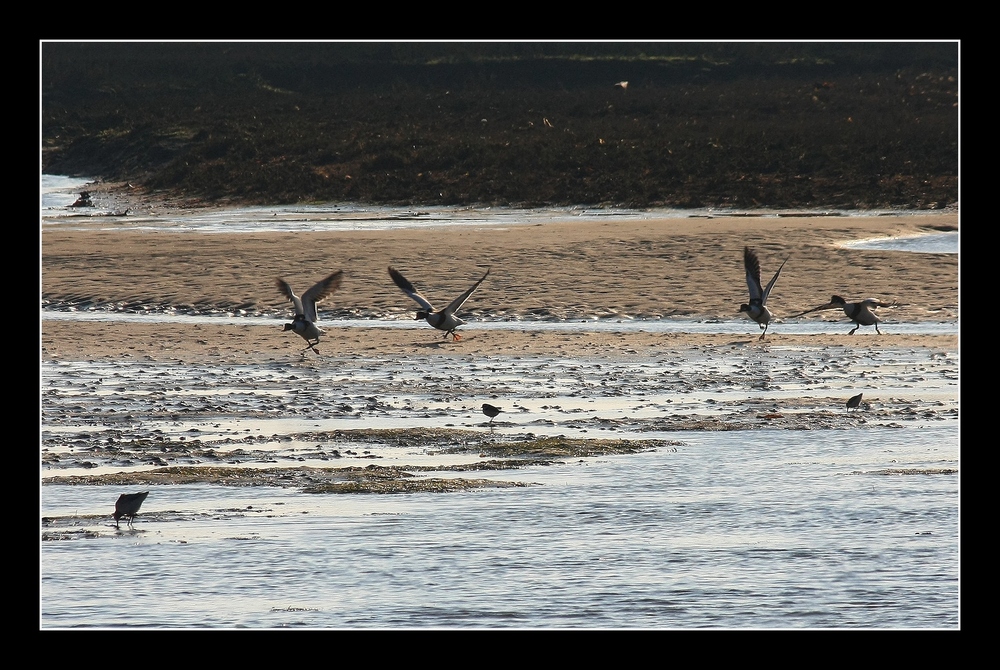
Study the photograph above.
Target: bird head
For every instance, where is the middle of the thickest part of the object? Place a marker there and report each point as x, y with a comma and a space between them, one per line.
288, 326
744, 308
837, 300
420, 315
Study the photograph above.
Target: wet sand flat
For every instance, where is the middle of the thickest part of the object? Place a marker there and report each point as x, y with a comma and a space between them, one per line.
689, 268
223, 344
154, 382
622, 457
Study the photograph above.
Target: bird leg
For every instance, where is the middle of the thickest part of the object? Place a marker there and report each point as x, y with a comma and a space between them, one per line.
877, 330
853, 329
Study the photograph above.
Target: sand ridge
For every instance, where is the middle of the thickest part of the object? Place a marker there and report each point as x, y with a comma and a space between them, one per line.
689, 268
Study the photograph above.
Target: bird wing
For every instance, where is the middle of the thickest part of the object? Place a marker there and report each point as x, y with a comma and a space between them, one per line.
767, 291
408, 289
129, 502
752, 266
286, 290
319, 291
871, 303
457, 303
829, 305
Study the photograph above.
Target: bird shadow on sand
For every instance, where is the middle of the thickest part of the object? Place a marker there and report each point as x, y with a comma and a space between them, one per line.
748, 342
442, 343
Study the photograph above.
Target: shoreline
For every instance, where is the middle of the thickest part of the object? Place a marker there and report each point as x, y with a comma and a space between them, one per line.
687, 268
254, 345
119, 196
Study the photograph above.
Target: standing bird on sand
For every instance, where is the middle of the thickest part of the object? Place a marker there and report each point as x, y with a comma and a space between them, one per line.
757, 309
128, 505
306, 317
491, 411
443, 319
854, 402
858, 312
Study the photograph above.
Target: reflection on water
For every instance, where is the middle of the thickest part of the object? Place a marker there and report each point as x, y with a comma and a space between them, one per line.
931, 243
58, 193
761, 529
853, 524
670, 325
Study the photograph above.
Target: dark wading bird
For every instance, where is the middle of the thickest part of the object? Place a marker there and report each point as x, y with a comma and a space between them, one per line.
128, 505
443, 319
491, 411
854, 402
757, 309
306, 317
858, 312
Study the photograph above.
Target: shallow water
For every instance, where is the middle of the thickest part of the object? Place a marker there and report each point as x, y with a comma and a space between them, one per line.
789, 512
441, 390
736, 326
769, 529
59, 193
843, 520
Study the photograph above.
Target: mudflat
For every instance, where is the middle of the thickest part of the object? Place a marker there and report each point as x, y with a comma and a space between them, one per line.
684, 267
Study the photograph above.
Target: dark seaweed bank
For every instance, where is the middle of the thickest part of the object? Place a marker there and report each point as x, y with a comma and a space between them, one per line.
742, 125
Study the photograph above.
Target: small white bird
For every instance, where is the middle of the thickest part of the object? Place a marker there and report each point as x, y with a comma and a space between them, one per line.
858, 312
757, 309
443, 319
306, 316
623, 84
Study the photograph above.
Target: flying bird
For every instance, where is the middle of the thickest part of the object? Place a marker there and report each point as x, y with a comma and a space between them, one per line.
443, 319
854, 401
858, 312
306, 316
757, 309
128, 505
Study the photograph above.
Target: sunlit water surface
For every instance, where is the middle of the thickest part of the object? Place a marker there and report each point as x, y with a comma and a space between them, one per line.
762, 529
765, 529
856, 527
